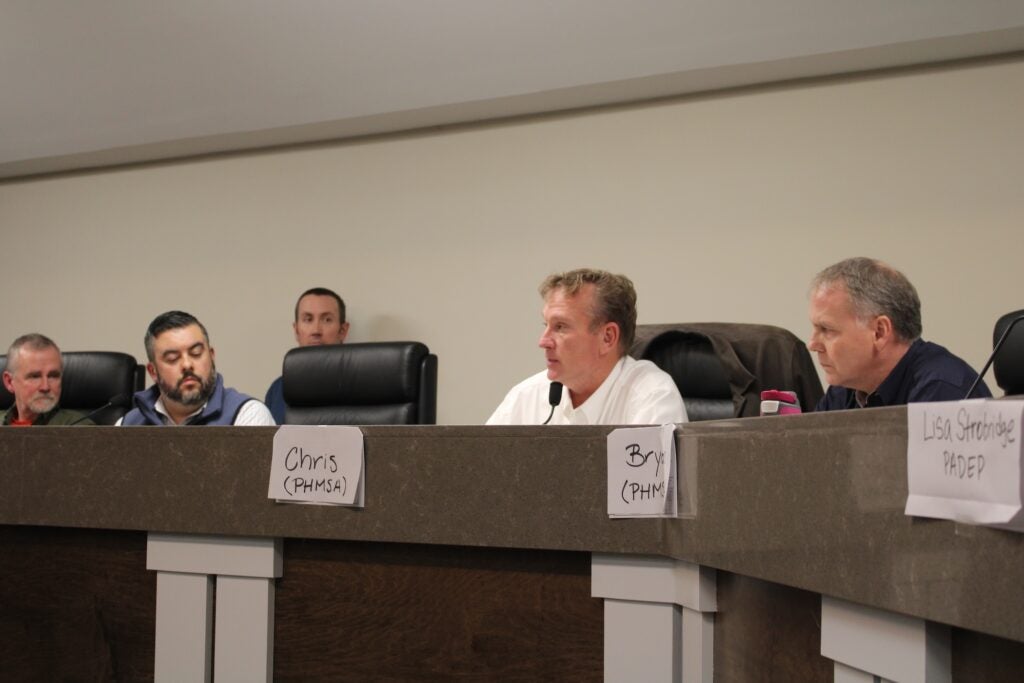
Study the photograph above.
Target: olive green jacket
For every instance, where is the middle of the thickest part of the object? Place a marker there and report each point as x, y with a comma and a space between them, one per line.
54, 418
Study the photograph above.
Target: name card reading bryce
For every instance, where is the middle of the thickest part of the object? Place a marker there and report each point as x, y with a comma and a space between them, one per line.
963, 461
322, 465
642, 472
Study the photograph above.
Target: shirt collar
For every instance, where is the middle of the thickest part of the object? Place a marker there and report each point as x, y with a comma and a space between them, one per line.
590, 412
887, 393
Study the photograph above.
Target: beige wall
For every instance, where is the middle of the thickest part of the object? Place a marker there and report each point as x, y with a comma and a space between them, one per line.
719, 207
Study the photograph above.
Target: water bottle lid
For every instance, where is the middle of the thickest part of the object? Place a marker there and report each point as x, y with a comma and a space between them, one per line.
778, 395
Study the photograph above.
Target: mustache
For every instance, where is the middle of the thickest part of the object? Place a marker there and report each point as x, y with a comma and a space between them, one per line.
189, 375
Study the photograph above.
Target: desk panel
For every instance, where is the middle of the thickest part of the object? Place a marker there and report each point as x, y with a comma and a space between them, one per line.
365, 611
75, 605
477, 531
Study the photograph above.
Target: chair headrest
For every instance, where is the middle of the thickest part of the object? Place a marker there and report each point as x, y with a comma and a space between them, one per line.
375, 373
1008, 365
692, 362
6, 397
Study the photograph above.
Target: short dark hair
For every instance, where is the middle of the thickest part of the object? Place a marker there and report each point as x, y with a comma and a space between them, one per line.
32, 340
614, 298
876, 288
171, 320
322, 291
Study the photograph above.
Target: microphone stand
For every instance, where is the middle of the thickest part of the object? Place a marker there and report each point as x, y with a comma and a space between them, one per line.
988, 364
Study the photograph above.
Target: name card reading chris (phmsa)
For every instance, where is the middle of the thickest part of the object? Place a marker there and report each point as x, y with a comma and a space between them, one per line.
642, 472
320, 465
963, 461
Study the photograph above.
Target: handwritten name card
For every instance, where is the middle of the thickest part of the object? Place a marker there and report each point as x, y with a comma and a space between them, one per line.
964, 461
322, 465
642, 472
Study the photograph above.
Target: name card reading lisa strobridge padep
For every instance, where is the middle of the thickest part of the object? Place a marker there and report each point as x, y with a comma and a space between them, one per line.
963, 461
642, 472
321, 465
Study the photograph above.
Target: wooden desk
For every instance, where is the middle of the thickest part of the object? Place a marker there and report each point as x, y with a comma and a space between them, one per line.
472, 557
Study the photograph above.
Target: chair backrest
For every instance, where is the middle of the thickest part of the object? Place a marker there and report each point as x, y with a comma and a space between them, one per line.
692, 362
750, 359
361, 384
1008, 365
90, 380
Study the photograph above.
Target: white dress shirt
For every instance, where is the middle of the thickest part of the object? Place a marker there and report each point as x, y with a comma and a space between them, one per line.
634, 392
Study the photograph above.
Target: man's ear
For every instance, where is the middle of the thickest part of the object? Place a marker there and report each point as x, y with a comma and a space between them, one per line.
8, 382
883, 330
151, 369
610, 336
344, 332
295, 327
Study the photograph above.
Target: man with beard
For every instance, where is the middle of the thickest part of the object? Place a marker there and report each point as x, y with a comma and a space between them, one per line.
187, 389
33, 374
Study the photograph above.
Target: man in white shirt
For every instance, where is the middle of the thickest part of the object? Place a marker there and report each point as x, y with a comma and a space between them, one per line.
589, 323
187, 388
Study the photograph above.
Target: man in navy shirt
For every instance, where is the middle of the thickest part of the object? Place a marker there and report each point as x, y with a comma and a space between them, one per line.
866, 331
319, 319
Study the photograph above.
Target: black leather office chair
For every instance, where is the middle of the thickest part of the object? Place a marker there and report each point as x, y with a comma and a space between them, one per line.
1008, 364
698, 372
361, 384
722, 368
90, 380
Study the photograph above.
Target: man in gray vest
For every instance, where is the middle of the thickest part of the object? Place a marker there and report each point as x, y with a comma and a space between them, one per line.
187, 389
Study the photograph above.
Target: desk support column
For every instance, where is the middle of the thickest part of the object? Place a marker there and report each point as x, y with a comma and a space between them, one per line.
658, 618
184, 607
245, 569
869, 645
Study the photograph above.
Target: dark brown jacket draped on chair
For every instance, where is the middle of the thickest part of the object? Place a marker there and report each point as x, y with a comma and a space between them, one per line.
753, 357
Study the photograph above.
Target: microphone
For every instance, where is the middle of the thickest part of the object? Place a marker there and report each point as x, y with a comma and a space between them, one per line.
554, 398
119, 401
988, 364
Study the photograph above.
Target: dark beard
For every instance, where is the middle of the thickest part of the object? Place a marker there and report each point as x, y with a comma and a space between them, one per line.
192, 397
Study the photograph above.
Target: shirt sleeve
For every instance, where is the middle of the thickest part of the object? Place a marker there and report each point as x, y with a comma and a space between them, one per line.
254, 414
661, 405
502, 415
941, 390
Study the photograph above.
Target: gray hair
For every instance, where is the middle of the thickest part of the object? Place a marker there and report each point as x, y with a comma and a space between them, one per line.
876, 288
34, 341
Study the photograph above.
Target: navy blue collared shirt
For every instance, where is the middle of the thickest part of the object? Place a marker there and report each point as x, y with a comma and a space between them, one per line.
927, 372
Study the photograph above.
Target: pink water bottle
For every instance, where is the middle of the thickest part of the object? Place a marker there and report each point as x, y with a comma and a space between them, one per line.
775, 402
